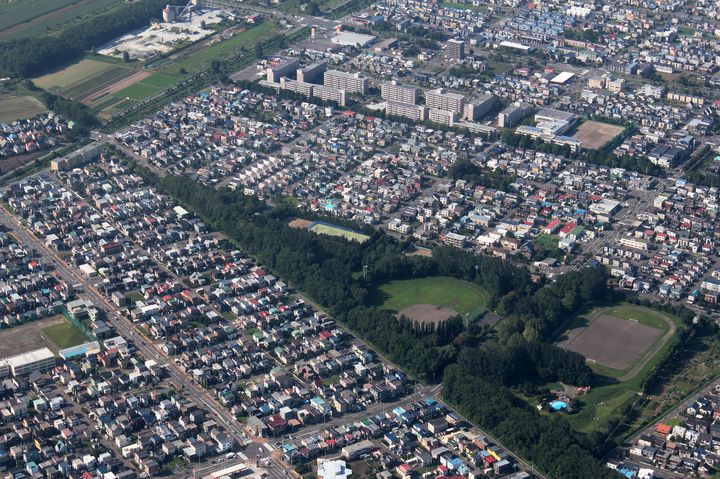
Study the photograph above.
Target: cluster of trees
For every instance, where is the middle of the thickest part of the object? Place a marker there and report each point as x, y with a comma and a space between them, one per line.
547, 441
73, 110
595, 157
32, 56
464, 169
479, 365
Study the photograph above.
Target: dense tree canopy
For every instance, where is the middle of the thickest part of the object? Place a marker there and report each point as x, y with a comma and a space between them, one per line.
32, 56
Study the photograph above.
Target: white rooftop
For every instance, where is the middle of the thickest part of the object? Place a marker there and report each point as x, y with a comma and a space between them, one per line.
29, 357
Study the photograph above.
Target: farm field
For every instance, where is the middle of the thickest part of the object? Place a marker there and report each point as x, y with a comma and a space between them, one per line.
201, 59
15, 107
627, 341
431, 299
595, 134
64, 334
332, 230
74, 73
26, 18
147, 87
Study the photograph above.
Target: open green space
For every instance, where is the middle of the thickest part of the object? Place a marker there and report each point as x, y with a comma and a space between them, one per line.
608, 398
646, 316
65, 335
138, 91
16, 107
27, 18
201, 59
443, 291
72, 74
327, 229
546, 240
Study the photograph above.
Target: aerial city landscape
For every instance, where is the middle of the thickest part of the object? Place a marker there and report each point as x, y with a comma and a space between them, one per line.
344, 239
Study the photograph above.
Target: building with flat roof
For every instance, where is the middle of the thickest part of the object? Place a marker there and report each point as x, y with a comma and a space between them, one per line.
312, 73
329, 469
512, 114
412, 112
350, 82
297, 86
394, 91
443, 117
327, 93
38, 360
353, 39
281, 68
478, 107
455, 49
78, 157
442, 100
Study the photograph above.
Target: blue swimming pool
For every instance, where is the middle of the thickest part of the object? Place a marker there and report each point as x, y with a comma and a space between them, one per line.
558, 405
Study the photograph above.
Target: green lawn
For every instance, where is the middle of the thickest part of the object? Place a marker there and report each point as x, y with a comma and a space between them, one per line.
546, 240
138, 91
65, 335
201, 59
462, 296
645, 316
160, 80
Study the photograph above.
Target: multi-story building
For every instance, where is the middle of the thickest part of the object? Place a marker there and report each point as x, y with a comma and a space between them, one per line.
312, 73
444, 117
297, 86
479, 107
281, 68
455, 49
441, 100
394, 91
350, 82
327, 93
413, 112
511, 115
38, 360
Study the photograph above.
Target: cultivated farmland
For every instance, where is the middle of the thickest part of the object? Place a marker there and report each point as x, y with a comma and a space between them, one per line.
16, 107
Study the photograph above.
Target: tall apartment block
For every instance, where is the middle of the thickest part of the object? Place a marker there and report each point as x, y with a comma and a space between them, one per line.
350, 82
455, 49
312, 73
413, 112
394, 91
441, 100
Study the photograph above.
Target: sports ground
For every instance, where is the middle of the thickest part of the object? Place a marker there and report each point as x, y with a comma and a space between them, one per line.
432, 299
595, 134
622, 344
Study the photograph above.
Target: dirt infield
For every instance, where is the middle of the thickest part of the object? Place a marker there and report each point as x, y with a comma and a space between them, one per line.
427, 313
594, 134
300, 223
612, 342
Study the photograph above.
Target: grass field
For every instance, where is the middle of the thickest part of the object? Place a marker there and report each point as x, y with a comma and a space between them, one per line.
147, 87
65, 335
612, 393
546, 240
326, 229
201, 59
74, 73
26, 18
16, 107
461, 296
